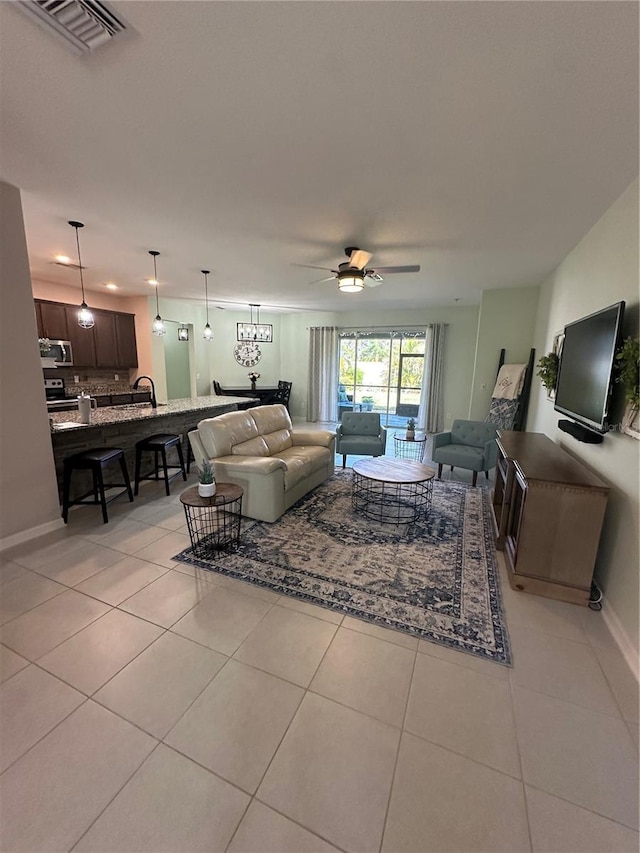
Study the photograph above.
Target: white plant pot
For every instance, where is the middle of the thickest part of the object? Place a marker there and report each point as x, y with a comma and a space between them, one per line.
206, 490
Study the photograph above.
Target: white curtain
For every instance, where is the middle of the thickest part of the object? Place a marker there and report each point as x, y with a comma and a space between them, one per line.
322, 398
430, 411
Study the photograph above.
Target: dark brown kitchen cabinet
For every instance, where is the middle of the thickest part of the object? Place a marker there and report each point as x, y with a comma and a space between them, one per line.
82, 340
110, 344
104, 334
126, 340
52, 321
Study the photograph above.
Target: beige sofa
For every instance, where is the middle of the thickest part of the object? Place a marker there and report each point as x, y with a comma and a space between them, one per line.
259, 450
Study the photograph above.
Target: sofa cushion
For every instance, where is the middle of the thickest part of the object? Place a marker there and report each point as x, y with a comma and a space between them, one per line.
219, 435
302, 461
270, 419
461, 456
254, 447
278, 440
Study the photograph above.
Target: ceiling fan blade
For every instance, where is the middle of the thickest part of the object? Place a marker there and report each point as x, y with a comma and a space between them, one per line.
359, 259
320, 280
312, 267
414, 268
372, 282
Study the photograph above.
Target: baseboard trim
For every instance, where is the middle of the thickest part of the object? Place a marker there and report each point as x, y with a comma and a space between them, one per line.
30, 533
618, 633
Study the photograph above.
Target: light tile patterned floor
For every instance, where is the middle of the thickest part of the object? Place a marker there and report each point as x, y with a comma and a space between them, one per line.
148, 706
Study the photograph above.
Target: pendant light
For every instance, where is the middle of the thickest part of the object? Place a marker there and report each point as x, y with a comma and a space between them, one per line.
85, 317
158, 327
183, 332
208, 331
255, 331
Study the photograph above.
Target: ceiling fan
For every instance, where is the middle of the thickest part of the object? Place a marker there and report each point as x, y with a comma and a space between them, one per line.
353, 275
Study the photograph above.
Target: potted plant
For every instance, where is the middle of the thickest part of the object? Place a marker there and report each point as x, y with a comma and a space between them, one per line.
206, 480
367, 404
628, 364
411, 429
548, 370
45, 346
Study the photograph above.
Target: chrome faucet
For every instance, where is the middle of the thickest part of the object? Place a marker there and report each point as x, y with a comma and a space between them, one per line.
154, 402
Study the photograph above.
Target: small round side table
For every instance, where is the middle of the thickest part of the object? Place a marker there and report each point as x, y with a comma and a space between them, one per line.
213, 523
410, 448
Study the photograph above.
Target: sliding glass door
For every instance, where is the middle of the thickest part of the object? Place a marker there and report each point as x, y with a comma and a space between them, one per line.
381, 372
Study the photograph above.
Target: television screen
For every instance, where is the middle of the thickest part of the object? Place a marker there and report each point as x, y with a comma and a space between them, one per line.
586, 365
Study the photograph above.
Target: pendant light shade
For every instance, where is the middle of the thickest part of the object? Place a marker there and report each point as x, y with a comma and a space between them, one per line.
158, 327
183, 332
255, 331
208, 331
85, 317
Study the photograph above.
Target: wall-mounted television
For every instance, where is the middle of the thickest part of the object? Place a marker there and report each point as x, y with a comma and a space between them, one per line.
585, 374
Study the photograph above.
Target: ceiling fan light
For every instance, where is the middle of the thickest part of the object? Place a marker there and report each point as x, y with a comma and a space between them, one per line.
351, 281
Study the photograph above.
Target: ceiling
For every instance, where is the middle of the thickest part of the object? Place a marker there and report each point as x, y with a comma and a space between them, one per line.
480, 140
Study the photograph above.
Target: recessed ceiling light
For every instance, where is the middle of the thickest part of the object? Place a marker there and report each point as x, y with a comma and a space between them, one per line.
63, 259
111, 286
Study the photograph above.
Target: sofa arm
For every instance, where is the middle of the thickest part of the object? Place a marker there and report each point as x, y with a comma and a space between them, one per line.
440, 439
383, 436
307, 437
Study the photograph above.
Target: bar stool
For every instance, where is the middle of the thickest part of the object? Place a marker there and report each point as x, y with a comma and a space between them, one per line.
94, 460
159, 444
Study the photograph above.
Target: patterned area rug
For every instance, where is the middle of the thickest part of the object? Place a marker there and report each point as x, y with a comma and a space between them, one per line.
436, 579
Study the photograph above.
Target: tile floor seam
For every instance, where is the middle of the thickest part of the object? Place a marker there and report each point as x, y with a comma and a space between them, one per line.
102, 811
22, 654
24, 612
301, 825
208, 769
195, 698
238, 825
147, 619
69, 586
515, 621
611, 714
520, 762
397, 756
610, 685
583, 807
46, 734
462, 665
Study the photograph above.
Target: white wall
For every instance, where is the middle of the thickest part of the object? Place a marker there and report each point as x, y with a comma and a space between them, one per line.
601, 270
28, 491
507, 321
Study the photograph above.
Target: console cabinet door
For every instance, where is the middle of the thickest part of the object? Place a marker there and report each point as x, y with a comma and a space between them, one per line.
53, 320
104, 333
82, 340
126, 340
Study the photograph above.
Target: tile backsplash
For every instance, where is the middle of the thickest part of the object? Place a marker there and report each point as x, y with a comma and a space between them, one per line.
90, 381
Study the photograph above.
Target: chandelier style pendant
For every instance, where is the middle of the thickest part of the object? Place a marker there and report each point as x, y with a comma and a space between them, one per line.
255, 331
85, 317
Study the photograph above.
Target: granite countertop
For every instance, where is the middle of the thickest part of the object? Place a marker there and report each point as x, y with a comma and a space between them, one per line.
138, 412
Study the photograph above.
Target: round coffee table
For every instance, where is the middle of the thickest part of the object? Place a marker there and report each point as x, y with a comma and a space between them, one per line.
410, 448
393, 491
213, 523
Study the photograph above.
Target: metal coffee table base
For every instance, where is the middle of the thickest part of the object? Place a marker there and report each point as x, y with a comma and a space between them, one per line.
391, 503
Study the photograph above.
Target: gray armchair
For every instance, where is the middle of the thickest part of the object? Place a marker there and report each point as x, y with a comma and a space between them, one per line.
360, 434
470, 444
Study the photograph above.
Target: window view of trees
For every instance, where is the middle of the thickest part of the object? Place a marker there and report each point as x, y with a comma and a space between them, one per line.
382, 374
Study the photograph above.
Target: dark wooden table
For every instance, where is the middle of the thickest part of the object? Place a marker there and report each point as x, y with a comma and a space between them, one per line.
261, 393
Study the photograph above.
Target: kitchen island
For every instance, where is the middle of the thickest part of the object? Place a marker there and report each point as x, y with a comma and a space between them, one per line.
123, 426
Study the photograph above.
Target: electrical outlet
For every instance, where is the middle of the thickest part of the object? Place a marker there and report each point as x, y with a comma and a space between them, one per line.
116, 376
197, 376
76, 379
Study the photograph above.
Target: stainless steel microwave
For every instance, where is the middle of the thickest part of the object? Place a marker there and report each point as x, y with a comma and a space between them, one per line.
60, 352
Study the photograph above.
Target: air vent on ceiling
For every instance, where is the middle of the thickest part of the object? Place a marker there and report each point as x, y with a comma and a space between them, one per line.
83, 24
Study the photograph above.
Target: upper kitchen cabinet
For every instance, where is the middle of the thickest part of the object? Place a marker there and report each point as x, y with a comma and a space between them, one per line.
52, 321
126, 340
110, 344
104, 333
